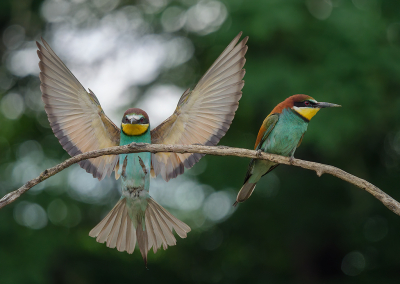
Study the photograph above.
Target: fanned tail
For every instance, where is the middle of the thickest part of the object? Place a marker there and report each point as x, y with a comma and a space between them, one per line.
151, 228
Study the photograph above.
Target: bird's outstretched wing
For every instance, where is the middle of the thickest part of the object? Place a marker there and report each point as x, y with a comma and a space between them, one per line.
203, 115
265, 129
76, 117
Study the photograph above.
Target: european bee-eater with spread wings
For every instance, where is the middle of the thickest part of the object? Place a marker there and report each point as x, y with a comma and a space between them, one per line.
280, 133
202, 116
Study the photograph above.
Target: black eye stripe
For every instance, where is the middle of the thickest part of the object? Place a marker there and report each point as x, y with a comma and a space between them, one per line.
305, 103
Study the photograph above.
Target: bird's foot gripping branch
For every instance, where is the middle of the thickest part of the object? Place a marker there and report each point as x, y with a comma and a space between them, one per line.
320, 169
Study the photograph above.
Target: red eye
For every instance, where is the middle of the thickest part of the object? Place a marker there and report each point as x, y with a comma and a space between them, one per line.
306, 103
141, 119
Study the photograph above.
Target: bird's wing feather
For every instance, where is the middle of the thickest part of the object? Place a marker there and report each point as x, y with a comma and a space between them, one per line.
265, 129
301, 140
75, 116
270, 169
203, 115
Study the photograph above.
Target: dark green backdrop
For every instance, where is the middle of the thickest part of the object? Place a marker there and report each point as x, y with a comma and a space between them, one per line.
296, 228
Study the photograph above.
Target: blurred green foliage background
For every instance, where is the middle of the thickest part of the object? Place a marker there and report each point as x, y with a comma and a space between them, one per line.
296, 228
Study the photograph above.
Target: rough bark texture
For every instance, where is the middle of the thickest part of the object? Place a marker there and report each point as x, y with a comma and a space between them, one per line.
320, 169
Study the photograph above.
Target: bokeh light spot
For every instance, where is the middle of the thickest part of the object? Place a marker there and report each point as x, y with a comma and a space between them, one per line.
12, 106
106, 5
31, 215
74, 216
320, 9
173, 19
55, 11
206, 17
32, 149
353, 263
189, 196
160, 102
218, 206
23, 62
57, 211
13, 36
87, 189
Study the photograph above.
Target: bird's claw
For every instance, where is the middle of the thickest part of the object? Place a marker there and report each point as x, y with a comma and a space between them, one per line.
291, 160
259, 152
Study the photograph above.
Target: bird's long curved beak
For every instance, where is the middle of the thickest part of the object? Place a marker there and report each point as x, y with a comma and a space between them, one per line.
324, 105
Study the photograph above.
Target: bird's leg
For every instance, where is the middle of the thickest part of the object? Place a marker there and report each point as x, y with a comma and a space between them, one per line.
259, 152
143, 166
291, 159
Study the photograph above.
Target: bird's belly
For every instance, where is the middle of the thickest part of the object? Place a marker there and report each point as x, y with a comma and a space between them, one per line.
137, 171
283, 139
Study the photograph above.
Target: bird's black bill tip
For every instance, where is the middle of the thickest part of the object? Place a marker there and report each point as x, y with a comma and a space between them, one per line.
325, 105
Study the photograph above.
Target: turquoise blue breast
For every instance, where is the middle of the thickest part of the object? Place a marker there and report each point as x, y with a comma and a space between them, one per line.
135, 175
286, 134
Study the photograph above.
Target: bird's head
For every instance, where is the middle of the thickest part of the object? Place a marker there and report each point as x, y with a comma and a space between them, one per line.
135, 122
306, 106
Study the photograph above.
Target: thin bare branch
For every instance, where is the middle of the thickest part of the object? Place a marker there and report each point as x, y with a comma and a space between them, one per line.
320, 169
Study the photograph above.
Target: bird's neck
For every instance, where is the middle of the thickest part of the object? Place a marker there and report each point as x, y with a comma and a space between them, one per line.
305, 118
291, 116
127, 139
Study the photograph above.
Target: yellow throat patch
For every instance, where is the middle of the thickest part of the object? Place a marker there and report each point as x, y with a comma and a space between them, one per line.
134, 129
306, 112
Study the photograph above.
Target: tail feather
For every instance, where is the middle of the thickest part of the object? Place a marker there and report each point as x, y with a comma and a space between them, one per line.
152, 233
164, 228
161, 233
118, 230
142, 240
245, 192
130, 237
113, 236
102, 230
121, 241
180, 228
156, 233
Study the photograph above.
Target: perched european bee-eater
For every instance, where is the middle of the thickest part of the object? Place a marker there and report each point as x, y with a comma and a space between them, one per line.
202, 116
281, 133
